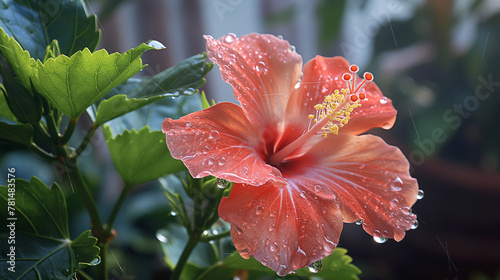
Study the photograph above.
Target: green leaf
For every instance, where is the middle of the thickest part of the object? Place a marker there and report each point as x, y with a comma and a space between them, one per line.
5, 111
176, 238
26, 106
42, 246
141, 156
73, 83
16, 133
336, 266
35, 23
182, 79
19, 60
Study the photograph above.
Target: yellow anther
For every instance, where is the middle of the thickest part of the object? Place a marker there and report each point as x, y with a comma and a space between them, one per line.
337, 107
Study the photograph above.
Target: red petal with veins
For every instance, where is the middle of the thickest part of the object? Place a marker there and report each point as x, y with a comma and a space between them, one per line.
322, 76
285, 228
262, 70
370, 178
219, 141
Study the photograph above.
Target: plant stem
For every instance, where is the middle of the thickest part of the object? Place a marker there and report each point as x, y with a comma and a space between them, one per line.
176, 274
102, 268
116, 208
215, 237
68, 132
76, 181
41, 152
85, 141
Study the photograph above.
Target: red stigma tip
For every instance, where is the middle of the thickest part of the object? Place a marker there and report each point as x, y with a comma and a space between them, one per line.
346, 77
354, 98
353, 68
362, 96
368, 76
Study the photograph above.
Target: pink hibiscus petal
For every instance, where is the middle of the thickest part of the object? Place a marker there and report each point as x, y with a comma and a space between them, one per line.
285, 228
219, 141
370, 178
262, 70
322, 76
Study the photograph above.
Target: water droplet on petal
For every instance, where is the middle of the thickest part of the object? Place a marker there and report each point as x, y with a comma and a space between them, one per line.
359, 222
259, 209
272, 227
394, 202
420, 194
274, 247
155, 44
415, 225
95, 261
300, 251
383, 101
188, 124
273, 214
380, 239
221, 183
281, 270
230, 38
292, 48
317, 188
316, 267
397, 184
303, 194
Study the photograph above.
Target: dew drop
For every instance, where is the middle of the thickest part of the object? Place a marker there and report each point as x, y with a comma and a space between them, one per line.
383, 101
380, 239
394, 202
302, 194
415, 225
420, 194
359, 222
161, 235
281, 270
211, 242
317, 188
259, 209
397, 184
297, 85
316, 267
95, 261
214, 135
221, 183
274, 247
173, 213
188, 124
230, 38
205, 233
155, 44
300, 251
273, 214
272, 227
292, 48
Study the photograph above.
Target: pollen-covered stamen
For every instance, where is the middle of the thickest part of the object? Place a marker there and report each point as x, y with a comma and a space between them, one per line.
331, 115
334, 112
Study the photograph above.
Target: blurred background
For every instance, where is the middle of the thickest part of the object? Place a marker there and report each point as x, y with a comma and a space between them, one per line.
437, 60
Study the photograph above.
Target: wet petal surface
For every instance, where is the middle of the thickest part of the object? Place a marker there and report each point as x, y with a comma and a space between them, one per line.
285, 228
219, 141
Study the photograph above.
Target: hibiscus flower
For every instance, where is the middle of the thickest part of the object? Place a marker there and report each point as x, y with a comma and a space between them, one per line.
295, 154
